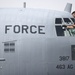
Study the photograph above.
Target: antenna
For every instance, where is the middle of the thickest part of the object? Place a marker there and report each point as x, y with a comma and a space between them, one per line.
24, 4
68, 7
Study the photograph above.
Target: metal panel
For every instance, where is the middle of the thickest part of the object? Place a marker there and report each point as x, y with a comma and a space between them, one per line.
73, 52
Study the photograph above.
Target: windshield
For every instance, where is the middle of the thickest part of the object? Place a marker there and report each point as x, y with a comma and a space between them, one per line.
67, 20
73, 20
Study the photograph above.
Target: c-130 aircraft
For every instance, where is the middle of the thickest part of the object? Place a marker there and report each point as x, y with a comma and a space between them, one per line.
34, 42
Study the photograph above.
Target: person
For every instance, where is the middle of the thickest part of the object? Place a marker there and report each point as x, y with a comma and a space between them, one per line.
73, 13
71, 28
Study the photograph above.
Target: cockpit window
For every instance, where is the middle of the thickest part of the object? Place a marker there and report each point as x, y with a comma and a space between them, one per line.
65, 31
67, 28
73, 20
59, 31
58, 21
67, 20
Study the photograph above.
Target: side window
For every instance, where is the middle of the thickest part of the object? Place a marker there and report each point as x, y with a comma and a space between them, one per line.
58, 21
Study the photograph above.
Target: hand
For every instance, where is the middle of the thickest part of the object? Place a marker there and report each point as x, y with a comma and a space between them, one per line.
70, 27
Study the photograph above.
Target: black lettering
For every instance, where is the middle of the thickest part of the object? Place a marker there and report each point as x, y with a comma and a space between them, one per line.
16, 29
64, 58
31, 29
24, 28
70, 66
60, 66
40, 29
6, 28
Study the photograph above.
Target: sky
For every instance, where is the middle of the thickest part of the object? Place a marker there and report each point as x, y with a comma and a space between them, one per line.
42, 4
